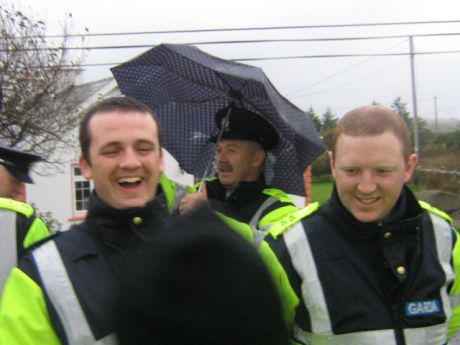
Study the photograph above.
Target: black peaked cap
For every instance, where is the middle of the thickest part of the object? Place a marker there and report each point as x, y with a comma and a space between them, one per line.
246, 125
18, 163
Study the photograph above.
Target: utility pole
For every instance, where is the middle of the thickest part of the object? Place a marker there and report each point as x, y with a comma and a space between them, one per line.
436, 113
414, 96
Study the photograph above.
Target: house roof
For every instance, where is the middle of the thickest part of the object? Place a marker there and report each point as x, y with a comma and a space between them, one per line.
82, 92
85, 95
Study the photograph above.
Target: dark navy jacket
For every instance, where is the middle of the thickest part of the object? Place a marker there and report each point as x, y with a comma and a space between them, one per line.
94, 254
371, 274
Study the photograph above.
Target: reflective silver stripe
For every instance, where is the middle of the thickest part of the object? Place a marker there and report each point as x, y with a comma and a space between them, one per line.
431, 335
63, 297
454, 300
179, 193
312, 291
259, 234
443, 237
313, 296
455, 340
258, 237
380, 337
8, 245
253, 223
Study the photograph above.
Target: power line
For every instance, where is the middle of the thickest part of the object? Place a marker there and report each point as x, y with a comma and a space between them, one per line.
267, 41
296, 27
281, 40
349, 82
340, 72
276, 58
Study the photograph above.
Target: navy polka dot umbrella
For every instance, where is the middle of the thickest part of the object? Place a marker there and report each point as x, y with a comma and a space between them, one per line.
186, 87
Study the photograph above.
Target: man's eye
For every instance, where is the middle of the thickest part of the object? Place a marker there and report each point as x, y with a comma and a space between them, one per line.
383, 171
110, 152
145, 149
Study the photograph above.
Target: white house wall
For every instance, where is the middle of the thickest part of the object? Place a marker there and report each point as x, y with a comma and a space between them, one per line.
54, 194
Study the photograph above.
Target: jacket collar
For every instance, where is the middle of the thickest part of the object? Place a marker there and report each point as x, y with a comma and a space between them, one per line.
244, 187
404, 217
115, 226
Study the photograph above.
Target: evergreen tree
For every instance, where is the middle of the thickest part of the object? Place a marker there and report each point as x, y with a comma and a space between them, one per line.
401, 109
329, 120
316, 120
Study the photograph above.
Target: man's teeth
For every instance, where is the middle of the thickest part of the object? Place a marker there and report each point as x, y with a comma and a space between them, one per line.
367, 201
129, 179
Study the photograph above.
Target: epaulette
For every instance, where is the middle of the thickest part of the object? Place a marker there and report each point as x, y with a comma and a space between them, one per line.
16, 206
281, 226
436, 211
278, 194
197, 185
43, 240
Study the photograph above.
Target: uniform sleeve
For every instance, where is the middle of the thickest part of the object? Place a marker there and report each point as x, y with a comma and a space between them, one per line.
454, 324
288, 297
24, 319
242, 228
37, 232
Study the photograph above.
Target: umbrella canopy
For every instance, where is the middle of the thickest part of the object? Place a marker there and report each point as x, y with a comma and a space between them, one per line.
186, 87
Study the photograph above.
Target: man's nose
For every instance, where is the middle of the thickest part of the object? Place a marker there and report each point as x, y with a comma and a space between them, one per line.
366, 183
130, 159
220, 156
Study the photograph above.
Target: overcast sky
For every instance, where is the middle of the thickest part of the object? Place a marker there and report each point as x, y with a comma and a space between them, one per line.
340, 83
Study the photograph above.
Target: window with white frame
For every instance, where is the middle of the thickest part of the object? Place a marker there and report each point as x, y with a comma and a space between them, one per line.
82, 190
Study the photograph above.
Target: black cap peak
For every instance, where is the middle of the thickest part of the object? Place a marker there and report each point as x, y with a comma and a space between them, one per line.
18, 163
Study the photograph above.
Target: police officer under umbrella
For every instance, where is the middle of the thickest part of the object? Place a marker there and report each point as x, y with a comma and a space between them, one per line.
239, 190
186, 86
19, 226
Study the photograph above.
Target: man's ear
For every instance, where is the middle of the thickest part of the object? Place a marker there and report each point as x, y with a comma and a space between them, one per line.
85, 168
161, 162
259, 158
410, 167
330, 156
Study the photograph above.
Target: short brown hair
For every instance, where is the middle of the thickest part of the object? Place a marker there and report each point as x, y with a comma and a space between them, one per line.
123, 104
373, 120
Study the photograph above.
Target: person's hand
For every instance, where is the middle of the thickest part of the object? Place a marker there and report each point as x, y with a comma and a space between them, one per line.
191, 201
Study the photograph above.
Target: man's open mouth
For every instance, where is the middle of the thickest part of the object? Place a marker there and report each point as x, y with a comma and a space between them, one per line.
129, 181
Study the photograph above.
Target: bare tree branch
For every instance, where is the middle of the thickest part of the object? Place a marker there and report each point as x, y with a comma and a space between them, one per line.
37, 109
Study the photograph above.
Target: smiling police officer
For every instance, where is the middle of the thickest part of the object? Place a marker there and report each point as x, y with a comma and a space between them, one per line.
372, 265
63, 292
